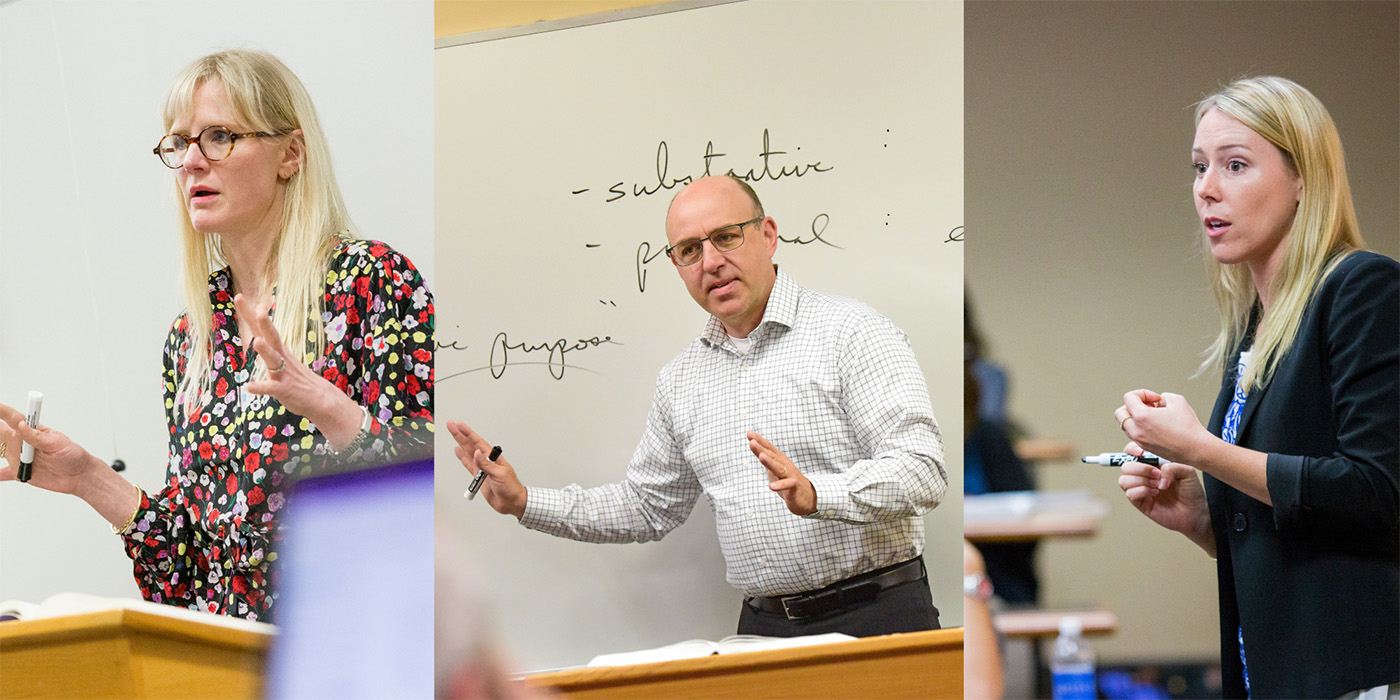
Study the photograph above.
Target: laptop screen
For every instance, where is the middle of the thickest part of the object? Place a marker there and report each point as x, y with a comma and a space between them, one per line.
355, 606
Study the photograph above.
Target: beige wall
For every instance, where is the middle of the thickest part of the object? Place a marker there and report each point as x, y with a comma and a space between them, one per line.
453, 17
1081, 247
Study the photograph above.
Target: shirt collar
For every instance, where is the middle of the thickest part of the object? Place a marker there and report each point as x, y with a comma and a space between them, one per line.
780, 310
221, 280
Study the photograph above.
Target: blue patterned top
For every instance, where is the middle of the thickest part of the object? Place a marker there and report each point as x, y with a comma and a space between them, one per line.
1231, 429
1229, 432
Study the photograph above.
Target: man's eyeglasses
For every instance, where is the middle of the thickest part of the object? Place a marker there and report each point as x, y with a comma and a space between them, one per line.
724, 239
215, 142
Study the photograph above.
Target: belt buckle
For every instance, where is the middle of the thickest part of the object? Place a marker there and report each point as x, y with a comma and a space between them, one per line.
786, 610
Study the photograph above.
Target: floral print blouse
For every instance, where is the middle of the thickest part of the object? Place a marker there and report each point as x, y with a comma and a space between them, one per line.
208, 539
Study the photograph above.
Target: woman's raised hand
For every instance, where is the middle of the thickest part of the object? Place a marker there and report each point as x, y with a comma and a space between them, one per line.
1163, 424
295, 385
1170, 495
60, 464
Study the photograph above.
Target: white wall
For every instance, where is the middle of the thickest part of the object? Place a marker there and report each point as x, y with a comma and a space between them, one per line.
88, 249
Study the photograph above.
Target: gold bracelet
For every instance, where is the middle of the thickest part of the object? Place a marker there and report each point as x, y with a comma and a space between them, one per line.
119, 530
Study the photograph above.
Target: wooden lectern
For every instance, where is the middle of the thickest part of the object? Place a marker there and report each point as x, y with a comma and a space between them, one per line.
129, 654
910, 665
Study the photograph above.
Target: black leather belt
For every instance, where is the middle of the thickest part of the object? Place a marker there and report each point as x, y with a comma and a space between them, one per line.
856, 589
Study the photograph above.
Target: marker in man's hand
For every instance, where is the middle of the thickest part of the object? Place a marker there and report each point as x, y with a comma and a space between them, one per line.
480, 477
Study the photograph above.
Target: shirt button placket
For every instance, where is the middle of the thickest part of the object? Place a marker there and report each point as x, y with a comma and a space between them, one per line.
744, 393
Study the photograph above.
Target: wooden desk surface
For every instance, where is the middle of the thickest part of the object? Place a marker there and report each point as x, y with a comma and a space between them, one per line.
1046, 623
18, 634
130, 654
911, 665
1031, 527
1042, 451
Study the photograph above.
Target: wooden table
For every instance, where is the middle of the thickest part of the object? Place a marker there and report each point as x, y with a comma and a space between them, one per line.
1032, 527
910, 665
1019, 516
1041, 450
1046, 623
129, 654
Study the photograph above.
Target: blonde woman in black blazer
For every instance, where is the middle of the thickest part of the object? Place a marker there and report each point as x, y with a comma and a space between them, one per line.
1300, 500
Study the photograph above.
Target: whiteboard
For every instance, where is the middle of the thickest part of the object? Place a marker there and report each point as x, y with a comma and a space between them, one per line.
556, 157
89, 253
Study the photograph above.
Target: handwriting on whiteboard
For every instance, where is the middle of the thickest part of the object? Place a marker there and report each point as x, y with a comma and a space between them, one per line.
769, 167
555, 354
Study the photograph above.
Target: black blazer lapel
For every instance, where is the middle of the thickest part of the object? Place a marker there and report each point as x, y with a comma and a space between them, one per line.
1227, 385
1222, 401
1251, 402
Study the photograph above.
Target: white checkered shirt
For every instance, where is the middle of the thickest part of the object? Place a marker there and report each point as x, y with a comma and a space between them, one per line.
829, 382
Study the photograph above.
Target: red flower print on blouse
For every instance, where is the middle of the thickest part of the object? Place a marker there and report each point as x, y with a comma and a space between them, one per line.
236, 441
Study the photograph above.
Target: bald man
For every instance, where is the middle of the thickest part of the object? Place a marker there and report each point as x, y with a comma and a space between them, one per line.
802, 417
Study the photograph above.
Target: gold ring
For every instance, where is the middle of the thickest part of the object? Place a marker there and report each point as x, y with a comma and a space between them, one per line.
3, 446
1123, 424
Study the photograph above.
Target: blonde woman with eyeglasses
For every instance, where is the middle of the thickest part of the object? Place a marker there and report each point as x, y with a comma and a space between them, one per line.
1301, 458
300, 346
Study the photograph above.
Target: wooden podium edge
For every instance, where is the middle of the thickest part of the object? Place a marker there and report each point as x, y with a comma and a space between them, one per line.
114, 622
120, 652
887, 645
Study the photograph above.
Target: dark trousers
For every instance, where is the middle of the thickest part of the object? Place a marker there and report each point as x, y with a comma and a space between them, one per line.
907, 607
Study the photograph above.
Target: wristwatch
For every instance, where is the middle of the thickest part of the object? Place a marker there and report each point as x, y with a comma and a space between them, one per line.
978, 587
360, 437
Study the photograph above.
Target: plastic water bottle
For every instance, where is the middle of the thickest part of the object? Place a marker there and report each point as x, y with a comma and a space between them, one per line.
1072, 664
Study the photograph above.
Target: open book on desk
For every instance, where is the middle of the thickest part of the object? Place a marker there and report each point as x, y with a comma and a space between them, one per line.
60, 604
697, 648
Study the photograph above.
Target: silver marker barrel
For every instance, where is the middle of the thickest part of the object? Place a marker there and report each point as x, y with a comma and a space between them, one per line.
26, 453
1118, 459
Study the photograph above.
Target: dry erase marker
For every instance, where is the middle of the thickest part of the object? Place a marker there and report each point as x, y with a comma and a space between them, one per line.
1117, 459
31, 417
481, 475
